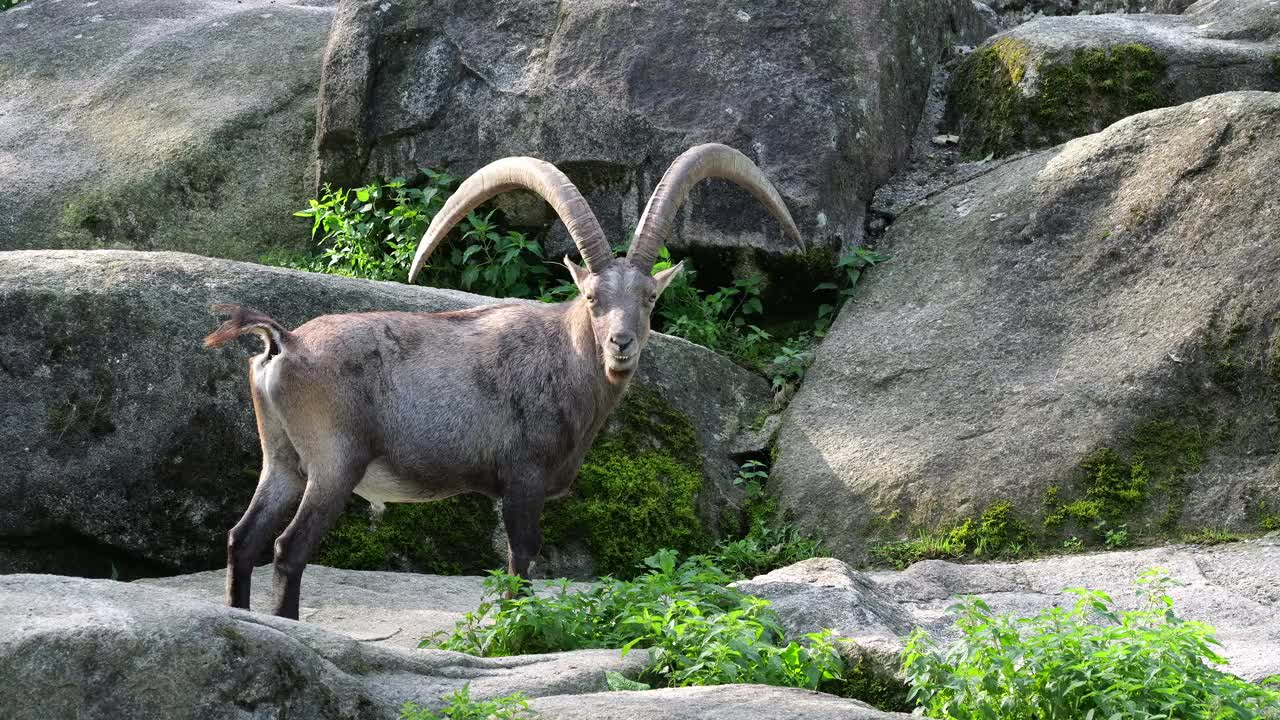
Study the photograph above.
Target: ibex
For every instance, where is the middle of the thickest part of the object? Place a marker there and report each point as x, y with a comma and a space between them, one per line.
503, 400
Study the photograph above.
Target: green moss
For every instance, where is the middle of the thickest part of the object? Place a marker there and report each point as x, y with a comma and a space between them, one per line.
445, 537
1275, 67
1150, 468
1212, 536
997, 532
637, 490
987, 94
1097, 87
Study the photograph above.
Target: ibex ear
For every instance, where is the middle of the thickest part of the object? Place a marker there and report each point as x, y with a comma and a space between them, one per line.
665, 277
578, 272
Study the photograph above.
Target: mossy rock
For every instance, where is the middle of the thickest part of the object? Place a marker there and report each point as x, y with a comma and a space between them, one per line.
1092, 89
637, 490
445, 537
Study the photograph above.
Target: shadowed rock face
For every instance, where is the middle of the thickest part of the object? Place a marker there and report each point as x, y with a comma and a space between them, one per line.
173, 124
127, 443
1057, 78
822, 94
1117, 293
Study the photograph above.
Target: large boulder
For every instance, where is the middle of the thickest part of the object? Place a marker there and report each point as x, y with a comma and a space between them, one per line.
181, 124
125, 442
823, 94
1057, 78
71, 647
1081, 334
1231, 587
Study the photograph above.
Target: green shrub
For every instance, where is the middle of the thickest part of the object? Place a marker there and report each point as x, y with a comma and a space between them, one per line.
462, 707
443, 537
6, 4
1087, 661
695, 630
373, 232
769, 542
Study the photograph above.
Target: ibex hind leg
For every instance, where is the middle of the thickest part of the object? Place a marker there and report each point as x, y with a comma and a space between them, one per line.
280, 484
329, 484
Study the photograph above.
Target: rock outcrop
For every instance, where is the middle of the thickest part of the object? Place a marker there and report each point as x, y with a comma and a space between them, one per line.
823, 95
71, 647
151, 651
126, 442
1056, 78
1232, 587
171, 124
1083, 333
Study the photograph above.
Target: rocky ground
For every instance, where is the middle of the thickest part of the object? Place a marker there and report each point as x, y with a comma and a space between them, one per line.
167, 648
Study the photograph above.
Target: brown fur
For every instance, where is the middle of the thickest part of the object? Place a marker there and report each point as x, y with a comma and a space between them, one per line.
503, 400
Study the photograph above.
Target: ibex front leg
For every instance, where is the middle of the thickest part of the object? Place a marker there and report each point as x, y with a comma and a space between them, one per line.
521, 514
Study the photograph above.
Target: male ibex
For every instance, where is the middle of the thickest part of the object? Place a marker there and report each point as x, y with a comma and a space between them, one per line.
502, 400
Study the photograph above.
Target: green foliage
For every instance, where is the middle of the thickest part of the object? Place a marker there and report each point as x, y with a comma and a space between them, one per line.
1212, 536
1153, 462
637, 489
462, 707
995, 533
373, 231
6, 4
769, 542
1087, 661
695, 630
444, 537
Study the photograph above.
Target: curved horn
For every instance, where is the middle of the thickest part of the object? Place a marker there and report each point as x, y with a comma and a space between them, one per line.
529, 173
692, 167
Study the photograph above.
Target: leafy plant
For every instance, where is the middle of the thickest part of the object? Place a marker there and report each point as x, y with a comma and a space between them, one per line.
695, 630
373, 232
768, 543
6, 4
850, 267
462, 707
1083, 662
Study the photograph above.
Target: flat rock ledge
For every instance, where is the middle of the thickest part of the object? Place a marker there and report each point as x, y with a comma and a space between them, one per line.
71, 647
1235, 587
166, 649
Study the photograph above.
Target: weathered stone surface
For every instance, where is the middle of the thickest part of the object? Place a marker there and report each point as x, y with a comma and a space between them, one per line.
384, 608
722, 702
1057, 78
822, 94
1117, 292
71, 647
125, 442
1013, 12
178, 124
1232, 587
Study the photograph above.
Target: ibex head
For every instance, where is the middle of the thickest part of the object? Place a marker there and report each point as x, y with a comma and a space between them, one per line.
620, 292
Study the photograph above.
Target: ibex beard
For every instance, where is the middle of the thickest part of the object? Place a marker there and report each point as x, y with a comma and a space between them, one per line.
503, 399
